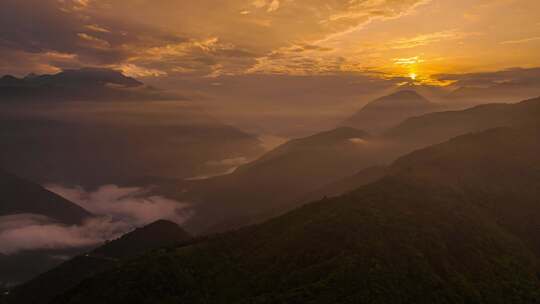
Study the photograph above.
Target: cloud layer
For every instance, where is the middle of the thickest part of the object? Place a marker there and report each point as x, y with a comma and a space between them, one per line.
34, 232
132, 205
118, 210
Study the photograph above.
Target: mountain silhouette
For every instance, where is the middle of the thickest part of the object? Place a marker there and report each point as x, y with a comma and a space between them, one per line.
67, 275
387, 111
305, 166
110, 148
293, 169
86, 84
437, 127
19, 196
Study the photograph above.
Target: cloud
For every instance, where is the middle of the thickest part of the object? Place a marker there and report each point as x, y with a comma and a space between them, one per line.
519, 41
39, 27
185, 37
408, 61
358, 141
229, 162
133, 205
118, 210
430, 38
34, 232
515, 76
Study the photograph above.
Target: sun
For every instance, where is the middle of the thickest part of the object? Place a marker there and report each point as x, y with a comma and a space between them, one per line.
413, 76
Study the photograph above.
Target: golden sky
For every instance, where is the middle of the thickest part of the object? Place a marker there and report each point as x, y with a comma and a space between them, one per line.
414, 39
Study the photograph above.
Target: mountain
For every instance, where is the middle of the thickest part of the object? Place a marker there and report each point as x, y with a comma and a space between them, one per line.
305, 166
347, 184
502, 92
19, 196
19, 200
276, 181
452, 223
86, 84
84, 77
390, 110
437, 127
116, 146
158, 234
67, 275
137, 133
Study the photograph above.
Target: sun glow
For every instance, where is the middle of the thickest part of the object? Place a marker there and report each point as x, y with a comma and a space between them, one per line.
413, 76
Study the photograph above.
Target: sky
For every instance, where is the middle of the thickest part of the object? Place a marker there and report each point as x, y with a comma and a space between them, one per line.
208, 38
305, 50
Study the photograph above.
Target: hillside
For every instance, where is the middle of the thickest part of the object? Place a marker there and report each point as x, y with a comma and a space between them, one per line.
21, 196
416, 236
67, 275
347, 184
438, 127
303, 166
115, 146
276, 181
388, 111
154, 235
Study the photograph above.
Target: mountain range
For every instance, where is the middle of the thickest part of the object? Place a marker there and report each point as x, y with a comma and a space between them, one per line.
131, 134
303, 167
450, 223
409, 208
94, 153
437, 127
86, 84
292, 169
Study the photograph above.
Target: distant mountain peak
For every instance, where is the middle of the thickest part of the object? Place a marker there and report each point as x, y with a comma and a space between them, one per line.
406, 93
76, 77
389, 110
89, 84
406, 98
8, 80
96, 76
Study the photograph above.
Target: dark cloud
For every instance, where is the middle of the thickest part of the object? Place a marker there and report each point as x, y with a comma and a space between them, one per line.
40, 29
41, 26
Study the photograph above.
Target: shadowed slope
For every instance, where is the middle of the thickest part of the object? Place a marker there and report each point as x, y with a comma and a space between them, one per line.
56, 281
279, 178
438, 127
20, 196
